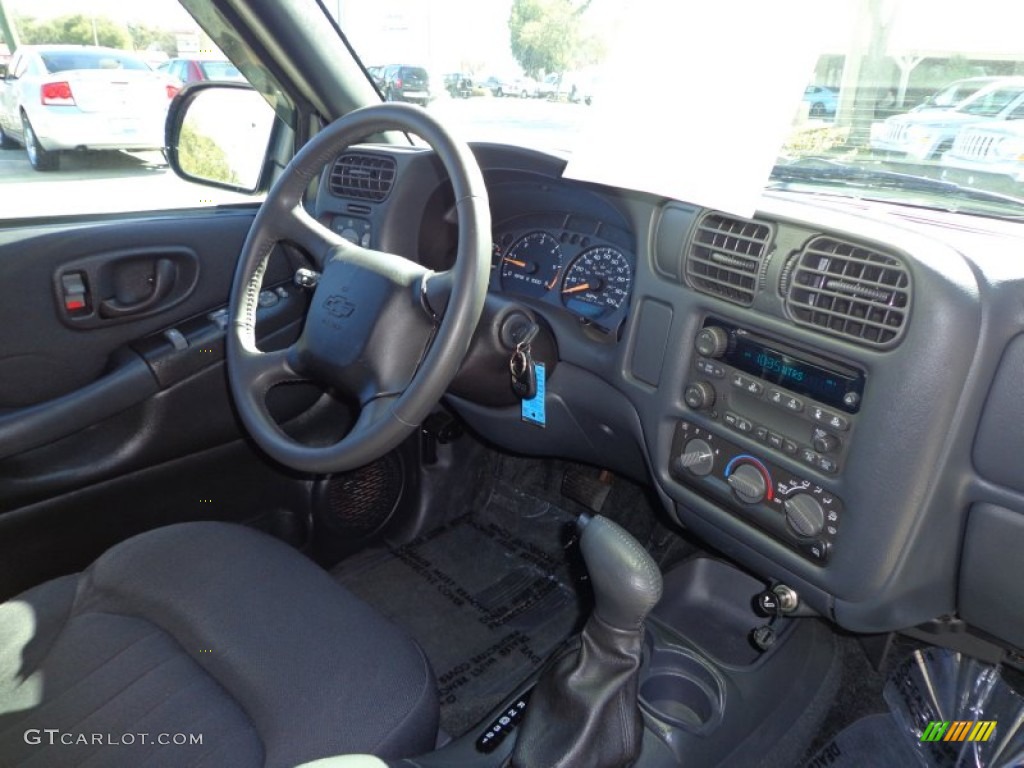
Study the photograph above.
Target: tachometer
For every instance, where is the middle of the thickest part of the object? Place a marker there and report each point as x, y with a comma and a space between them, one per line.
531, 266
599, 278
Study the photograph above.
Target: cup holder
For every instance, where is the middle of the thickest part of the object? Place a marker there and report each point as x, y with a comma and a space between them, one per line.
680, 689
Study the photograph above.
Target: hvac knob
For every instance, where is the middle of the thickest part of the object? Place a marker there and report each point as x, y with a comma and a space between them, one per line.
712, 341
697, 457
748, 484
699, 395
804, 514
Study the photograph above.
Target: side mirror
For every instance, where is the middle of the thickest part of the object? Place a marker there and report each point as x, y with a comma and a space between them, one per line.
218, 134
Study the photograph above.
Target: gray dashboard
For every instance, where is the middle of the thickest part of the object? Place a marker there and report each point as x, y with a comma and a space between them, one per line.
924, 310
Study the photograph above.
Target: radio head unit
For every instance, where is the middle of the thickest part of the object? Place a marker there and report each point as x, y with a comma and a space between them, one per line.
804, 373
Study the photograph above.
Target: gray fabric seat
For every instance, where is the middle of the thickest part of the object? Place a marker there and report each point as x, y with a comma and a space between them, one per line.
213, 630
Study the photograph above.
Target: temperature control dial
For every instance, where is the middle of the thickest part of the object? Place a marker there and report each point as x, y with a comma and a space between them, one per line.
804, 514
748, 483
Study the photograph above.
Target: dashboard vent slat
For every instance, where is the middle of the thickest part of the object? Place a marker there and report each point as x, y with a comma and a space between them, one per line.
362, 177
850, 291
725, 256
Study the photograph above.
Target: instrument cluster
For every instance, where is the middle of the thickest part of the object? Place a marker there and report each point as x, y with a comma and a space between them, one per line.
574, 263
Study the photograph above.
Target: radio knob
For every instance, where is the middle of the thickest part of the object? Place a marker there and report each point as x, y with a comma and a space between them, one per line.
697, 457
804, 514
699, 395
712, 341
748, 484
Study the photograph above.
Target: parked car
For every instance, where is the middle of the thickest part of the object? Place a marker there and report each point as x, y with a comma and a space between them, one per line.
401, 82
926, 135
956, 93
821, 101
189, 70
994, 149
517, 86
459, 85
62, 97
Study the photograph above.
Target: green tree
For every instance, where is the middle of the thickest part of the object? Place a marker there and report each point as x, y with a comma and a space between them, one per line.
76, 29
146, 38
202, 157
547, 35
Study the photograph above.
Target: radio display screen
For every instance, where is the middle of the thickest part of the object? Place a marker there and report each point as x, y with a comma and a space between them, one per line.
828, 385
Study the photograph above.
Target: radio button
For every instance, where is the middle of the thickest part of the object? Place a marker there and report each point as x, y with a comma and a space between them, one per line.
830, 419
794, 404
776, 441
790, 447
730, 419
761, 433
747, 384
743, 425
776, 396
708, 368
827, 465
807, 456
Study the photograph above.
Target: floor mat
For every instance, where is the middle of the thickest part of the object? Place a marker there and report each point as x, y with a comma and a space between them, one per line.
489, 596
874, 740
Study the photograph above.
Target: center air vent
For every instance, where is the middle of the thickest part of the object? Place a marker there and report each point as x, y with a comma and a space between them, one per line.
362, 177
725, 256
850, 291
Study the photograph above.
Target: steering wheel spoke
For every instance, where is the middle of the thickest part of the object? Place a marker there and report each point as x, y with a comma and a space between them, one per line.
365, 333
316, 240
263, 370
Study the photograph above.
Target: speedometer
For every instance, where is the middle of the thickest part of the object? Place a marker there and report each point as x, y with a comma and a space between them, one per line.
530, 267
599, 277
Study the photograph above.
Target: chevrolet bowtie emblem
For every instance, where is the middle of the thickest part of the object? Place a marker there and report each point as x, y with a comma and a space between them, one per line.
339, 306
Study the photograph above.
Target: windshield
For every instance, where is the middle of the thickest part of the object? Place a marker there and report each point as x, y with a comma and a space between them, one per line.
543, 73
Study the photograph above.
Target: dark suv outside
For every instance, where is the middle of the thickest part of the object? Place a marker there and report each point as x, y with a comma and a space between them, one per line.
404, 83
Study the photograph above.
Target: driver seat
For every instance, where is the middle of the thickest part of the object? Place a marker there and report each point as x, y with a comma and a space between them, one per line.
211, 629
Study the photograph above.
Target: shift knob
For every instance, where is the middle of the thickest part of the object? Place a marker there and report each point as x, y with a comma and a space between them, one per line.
625, 579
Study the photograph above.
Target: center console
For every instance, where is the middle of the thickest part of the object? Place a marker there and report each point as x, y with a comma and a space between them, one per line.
798, 406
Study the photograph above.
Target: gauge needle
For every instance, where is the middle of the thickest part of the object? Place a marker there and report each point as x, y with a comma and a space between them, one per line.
577, 288
554, 279
515, 262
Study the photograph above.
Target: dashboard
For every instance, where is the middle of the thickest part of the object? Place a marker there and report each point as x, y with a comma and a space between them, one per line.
827, 393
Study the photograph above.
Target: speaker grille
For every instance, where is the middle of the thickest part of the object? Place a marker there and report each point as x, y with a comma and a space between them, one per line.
359, 503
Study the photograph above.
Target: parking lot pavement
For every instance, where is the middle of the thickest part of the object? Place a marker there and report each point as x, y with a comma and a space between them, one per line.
97, 182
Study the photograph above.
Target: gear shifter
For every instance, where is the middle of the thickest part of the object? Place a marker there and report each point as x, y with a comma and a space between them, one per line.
583, 711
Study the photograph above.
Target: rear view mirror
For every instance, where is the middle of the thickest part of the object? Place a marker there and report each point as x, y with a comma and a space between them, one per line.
218, 134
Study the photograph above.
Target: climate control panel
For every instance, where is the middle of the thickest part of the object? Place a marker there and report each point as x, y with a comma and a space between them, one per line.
793, 509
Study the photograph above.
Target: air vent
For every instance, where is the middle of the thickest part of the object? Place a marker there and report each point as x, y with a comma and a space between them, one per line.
849, 291
725, 256
362, 177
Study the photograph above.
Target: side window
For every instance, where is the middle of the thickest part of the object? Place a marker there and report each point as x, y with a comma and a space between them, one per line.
105, 153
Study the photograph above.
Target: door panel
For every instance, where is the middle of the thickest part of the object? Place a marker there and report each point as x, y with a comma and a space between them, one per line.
110, 425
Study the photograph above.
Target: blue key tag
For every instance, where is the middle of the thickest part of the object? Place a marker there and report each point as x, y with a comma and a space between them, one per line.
533, 409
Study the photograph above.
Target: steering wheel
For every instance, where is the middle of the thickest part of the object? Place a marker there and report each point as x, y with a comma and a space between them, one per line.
370, 332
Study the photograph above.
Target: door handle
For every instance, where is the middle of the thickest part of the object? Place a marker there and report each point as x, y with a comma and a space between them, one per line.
164, 274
